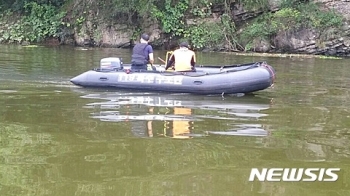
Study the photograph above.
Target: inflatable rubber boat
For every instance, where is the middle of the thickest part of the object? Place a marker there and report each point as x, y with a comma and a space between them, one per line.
227, 79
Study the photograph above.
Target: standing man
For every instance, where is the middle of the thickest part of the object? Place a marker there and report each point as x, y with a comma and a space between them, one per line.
142, 54
183, 59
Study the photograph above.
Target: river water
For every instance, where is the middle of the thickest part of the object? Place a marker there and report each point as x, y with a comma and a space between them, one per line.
59, 139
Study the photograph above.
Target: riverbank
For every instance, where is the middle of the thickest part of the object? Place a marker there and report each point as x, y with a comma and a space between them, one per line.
281, 55
316, 27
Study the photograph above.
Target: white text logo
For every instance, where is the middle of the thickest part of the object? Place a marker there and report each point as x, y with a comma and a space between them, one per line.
294, 174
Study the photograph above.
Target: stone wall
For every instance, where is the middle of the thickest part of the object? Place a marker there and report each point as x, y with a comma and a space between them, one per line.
335, 42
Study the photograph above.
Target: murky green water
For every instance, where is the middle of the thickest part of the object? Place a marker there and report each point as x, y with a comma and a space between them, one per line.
59, 139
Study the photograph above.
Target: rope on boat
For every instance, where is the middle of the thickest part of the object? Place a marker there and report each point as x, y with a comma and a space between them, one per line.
273, 74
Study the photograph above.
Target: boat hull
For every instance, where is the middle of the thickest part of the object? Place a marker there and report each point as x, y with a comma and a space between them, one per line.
206, 80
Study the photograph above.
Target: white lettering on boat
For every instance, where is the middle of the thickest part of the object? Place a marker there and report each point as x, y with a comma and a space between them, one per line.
157, 79
150, 101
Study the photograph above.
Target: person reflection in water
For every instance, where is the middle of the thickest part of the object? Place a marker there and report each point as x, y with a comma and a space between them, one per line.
142, 127
181, 127
150, 123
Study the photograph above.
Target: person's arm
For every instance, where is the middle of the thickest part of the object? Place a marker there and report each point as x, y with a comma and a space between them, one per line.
170, 62
193, 60
150, 54
151, 59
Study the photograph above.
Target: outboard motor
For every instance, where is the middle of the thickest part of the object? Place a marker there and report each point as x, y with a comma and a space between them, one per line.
111, 64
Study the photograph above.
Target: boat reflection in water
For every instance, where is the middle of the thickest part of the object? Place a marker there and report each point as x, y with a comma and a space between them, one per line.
181, 115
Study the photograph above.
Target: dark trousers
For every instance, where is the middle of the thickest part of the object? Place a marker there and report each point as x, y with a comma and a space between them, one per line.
139, 67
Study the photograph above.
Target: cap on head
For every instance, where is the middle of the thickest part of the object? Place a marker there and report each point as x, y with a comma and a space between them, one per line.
145, 37
184, 44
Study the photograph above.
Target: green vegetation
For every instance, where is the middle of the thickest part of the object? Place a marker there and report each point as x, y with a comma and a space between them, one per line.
205, 23
290, 18
33, 23
171, 16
